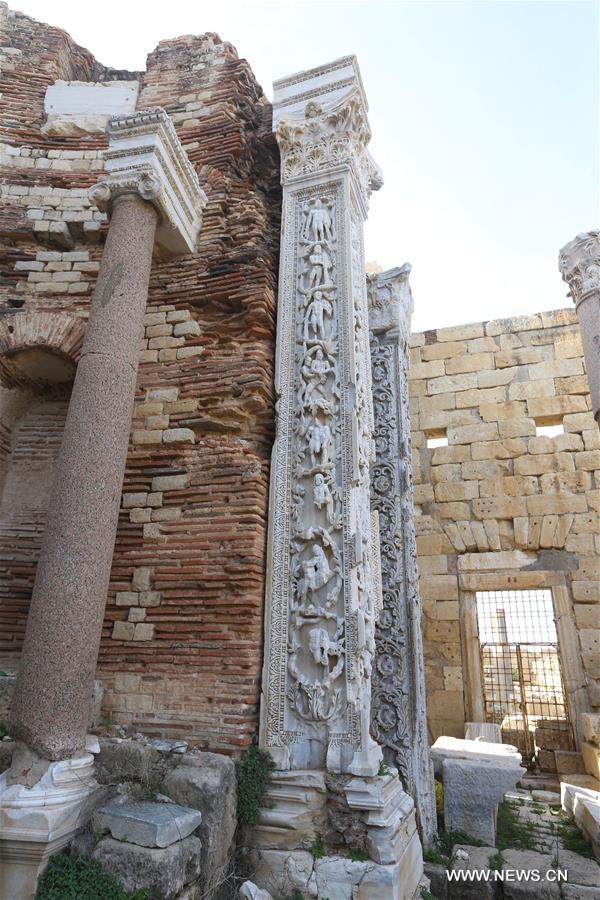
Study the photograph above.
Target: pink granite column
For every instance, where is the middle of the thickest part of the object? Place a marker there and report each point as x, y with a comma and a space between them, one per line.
53, 694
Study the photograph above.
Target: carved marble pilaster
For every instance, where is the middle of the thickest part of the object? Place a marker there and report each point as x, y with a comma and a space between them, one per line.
579, 264
322, 583
399, 718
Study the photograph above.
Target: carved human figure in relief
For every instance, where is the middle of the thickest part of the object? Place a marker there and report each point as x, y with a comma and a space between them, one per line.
315, 572
320, 267
322, 495
319, 444
318, 310
326, 652
319, 224
315, 371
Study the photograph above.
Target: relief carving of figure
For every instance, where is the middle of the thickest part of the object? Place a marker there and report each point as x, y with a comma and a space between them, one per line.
327, 652
315, 572
319, 224
315, 371
322, 496
319, 308
320, 267
319, 444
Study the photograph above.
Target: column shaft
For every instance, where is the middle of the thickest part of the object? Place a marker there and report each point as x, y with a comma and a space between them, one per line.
54, 686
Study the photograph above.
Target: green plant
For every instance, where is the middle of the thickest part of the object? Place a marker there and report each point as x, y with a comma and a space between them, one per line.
431, 855
383, 769
253, 772
318, 849
512, 833
495, 862
3, 729
357, 855
427, 895
447, 840
573, 840
71, 876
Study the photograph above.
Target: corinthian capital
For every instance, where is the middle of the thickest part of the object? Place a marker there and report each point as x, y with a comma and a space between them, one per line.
146, 157
390, 301
579, 264
320, 121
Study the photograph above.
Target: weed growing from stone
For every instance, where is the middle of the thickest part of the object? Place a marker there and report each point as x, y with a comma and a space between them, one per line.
71, 876
431, 855
253, 772
357, 855
495, 863
447, 840
512, 833
383, 769
318, 849
573, 840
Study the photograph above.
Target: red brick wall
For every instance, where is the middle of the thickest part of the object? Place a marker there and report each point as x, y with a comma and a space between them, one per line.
181, 647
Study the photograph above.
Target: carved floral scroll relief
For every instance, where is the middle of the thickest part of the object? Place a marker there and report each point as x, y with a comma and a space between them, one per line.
322, 597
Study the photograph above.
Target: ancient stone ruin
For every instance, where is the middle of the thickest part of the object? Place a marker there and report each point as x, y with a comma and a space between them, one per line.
249, 519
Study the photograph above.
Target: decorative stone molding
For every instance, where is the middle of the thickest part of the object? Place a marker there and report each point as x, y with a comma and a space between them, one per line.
145, 156
399, 717
579, 265
322, 579
37, 821
320, 120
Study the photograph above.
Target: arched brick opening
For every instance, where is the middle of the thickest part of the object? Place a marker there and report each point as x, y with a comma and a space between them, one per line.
38, 360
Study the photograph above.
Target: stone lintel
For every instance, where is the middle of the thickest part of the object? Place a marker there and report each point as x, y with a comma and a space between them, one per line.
145, 156
390, 301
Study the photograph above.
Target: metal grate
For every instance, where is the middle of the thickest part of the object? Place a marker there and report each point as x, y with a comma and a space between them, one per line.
521, 672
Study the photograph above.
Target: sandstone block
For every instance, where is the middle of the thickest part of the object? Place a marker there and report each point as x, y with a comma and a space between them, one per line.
170, 482
460, 332
507, 449
141, 578
469, 362
449, 383
473, 789
465, 490
186, 352
127, 598
519, 357
170, 514
426, 369
515, 323
146, 437
468, 434
553, 504
479, 395
140, 515
136, 614
445, 350
510, 486
163, 394
587, 615
497, 377
515, 428
178, 315
556, 369
583, 421
153, 331
544, 462
499, 507
183, 329
163, 872
143, 632
439, 587
136, 499
590, 728
524, 390
178, 436
454, 511
150, 598
123, 631
585, 591
495, 412
548, 408
589, 460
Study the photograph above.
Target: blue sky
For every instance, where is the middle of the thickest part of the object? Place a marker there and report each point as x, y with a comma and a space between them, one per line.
484, 114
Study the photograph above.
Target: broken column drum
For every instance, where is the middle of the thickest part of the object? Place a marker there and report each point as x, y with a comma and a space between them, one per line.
323, 587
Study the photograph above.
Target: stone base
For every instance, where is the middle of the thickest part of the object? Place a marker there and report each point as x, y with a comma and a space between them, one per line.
38, 821
281, 860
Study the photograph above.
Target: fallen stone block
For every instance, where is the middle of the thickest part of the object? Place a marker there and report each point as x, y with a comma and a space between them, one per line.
472, 791
146, 823
457, 748
163, 872
514, 861
469, 859
249, 891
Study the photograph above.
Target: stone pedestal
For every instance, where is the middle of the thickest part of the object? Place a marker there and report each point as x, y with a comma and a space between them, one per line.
149, 183
398, 706
579, 264
324, 569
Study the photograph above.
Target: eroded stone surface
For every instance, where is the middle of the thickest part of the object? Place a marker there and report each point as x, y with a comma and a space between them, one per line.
163, 872
147, 824
472, 792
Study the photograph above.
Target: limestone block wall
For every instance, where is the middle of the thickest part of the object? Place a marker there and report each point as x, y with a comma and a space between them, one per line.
501, 507
181, 647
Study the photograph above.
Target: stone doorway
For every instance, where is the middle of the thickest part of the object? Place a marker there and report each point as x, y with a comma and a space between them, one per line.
521, 672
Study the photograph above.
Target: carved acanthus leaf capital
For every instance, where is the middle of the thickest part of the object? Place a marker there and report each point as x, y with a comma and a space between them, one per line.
146, 157
390, 301
579, 265
320, 121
